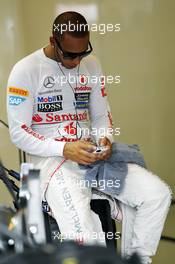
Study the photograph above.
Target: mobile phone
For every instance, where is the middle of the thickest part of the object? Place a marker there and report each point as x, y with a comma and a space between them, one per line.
100, 149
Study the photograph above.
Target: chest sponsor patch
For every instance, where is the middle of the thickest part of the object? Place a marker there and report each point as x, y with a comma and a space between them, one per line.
83, 88
16, 100
49, 82
49, 99
81, 105
83, 80
70, 130
56, 118
82, 96
37, 118
50, 91
49, 107
82, 100
18, 91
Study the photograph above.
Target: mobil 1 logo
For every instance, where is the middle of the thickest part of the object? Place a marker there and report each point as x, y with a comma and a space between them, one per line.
50, 103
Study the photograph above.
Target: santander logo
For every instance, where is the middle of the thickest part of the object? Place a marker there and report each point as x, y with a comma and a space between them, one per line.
37, 118
55, 118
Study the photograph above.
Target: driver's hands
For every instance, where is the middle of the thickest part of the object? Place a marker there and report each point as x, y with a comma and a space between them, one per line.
107, 153
80, 152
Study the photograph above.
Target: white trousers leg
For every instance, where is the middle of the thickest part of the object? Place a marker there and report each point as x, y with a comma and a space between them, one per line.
69, 201
145, 202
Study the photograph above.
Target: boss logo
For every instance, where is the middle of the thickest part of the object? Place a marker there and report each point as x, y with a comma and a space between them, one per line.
50, 107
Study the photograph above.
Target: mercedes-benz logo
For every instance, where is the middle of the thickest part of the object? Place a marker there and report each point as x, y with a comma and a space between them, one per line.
49, 82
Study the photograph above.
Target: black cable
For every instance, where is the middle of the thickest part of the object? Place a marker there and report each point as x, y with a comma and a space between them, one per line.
24, 156
14, 186
20, 157
173, 202
168, 238
12, 173
5, 124
8, 184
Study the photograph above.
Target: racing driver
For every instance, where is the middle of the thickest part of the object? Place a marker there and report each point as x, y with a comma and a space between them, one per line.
53, 105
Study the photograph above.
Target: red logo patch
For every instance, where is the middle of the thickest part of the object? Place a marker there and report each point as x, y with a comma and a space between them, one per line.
32, 132
69, 129
103, 91
83, 79
37, 118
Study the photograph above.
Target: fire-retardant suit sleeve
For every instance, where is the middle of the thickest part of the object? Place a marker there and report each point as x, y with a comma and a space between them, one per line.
100, 115
20, 110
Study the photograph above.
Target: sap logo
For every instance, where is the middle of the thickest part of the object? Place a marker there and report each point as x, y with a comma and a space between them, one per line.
16, 100
50, 99
50, 107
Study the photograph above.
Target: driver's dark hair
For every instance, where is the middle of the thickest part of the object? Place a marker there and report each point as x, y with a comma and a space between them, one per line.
74, 23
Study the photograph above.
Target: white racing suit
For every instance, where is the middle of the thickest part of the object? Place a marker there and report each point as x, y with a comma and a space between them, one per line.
145, 201
45, 111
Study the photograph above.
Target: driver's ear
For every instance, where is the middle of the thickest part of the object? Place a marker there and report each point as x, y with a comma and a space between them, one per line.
52, 41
